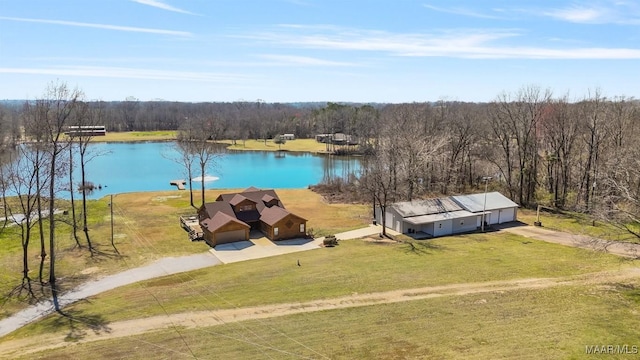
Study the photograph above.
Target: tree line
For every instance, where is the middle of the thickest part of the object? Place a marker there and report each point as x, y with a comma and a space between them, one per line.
537, 148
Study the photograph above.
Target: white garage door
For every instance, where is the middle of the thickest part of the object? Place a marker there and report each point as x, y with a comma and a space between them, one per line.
229, 236
507, 215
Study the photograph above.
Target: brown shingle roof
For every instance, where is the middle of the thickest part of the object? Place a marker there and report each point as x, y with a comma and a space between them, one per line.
219, 220
214, 207
273, 214
255, 196
237, 199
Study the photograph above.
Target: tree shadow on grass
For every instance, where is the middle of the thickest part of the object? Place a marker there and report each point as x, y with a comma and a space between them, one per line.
79, 323
420, 247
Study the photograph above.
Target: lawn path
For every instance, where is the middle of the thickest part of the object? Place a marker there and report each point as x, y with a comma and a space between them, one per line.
162, 267
133, 327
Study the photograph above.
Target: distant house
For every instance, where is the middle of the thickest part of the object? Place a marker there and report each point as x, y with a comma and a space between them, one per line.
288, 136
336, 139
450, 215
232, 216
94, 130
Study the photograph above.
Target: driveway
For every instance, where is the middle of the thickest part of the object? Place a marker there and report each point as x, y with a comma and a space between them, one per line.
222, 254
161, 267
260, 247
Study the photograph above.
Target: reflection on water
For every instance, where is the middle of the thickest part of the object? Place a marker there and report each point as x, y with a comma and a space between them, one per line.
150, 166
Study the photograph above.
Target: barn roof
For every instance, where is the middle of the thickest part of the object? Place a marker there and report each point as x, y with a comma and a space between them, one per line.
425, 207
475, 202
425, 219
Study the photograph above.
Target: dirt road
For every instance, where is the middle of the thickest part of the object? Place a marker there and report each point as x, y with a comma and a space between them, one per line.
218, 317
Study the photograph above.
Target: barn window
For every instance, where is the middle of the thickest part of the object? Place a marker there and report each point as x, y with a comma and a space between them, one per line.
440, 226
301, 228
275, 231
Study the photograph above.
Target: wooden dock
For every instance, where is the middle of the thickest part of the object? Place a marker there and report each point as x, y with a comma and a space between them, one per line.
178, 183
192, 226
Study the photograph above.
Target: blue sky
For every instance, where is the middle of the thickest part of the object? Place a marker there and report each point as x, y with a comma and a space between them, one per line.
318, 50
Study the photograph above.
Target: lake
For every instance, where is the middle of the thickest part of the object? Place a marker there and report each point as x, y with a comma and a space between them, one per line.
147, 166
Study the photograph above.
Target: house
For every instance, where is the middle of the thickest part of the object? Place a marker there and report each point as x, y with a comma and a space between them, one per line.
232, 216
288, 136
93, 130
449, 215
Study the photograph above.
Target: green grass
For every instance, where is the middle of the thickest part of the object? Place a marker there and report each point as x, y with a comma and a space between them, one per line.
304, 145
542, 324
353, 266
552, 323
165, 135
146, 228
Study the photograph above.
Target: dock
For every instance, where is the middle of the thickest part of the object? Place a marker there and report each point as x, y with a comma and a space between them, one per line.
178, 183
192, 226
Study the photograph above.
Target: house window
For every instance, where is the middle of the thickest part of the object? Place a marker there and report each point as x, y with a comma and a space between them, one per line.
301, 228
440, 226
275, 231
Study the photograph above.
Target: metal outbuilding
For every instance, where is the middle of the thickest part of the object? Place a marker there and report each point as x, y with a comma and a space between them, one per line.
450, 215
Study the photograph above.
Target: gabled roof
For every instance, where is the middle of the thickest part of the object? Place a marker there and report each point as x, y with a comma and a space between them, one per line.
272, 215
475, 202
425, 207
237, 199
253, 195
219, 206
266, 198
251, 189
219, 220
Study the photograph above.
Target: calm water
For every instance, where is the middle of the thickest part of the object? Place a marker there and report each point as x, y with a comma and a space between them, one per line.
130, 167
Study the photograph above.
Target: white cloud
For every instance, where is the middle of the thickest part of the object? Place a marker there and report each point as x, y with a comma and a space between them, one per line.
163, 6
465, 43
99, 26
128, 73
580, 14
461, 11
288, 60
602, 12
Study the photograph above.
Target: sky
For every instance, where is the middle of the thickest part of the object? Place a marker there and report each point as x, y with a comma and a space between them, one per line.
390, 51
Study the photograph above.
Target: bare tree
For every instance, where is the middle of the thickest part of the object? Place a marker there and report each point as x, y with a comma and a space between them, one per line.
58, 104
199, 134
593, 115
515, 123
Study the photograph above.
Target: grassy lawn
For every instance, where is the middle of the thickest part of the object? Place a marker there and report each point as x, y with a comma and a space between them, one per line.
146, 228
555, 323
308, 145
540, 323
352, 267
137, 136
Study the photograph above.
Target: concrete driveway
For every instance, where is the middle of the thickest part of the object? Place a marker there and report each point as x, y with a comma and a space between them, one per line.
259, 246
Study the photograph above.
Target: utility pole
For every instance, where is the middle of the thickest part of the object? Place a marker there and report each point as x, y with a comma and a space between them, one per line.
111, 209
484, 205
